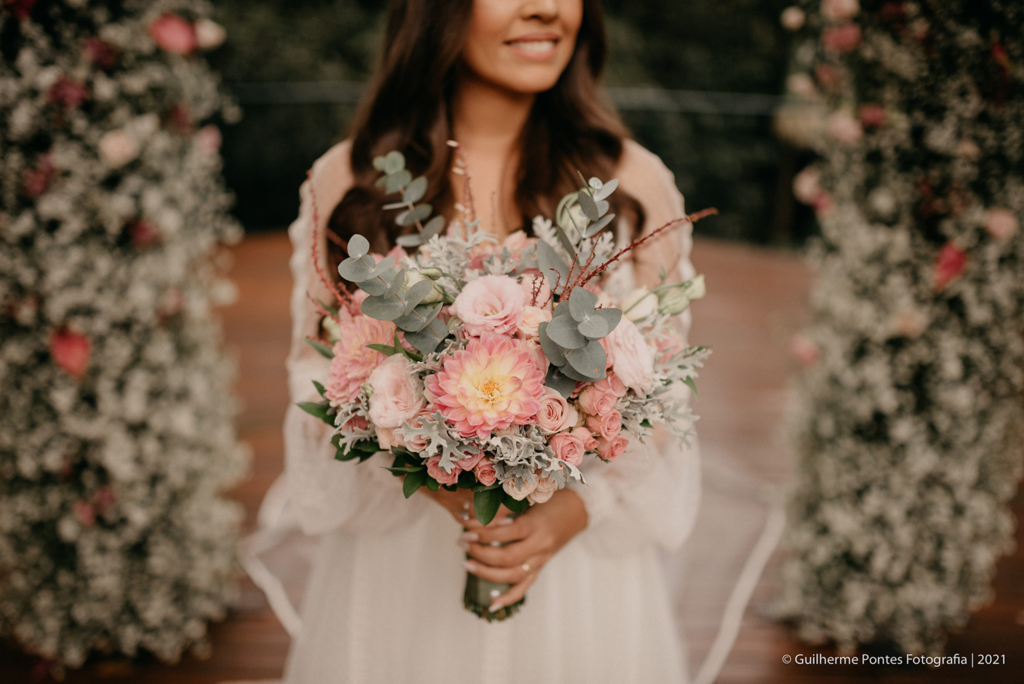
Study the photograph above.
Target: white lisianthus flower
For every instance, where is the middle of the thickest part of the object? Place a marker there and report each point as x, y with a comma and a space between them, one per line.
413, 277
640, 304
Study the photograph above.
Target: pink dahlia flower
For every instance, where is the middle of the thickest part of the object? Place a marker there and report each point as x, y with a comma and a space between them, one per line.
353, 362
490, 385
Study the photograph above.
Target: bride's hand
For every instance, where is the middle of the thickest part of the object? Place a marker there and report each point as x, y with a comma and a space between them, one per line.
532, 539
460, 504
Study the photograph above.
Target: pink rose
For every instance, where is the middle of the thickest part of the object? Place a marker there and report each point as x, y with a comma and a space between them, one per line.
589, 443
470, 460
596, 402
435, 471
70, 351
517, 241
842, 38
532, 318
568, 447
545, 490
611, 383
1000, 223
484, 472
607, 425
395, 398
630, 357
610, 450
490, 304
356, 423
519, 493
173, 34
555, 413
534, 282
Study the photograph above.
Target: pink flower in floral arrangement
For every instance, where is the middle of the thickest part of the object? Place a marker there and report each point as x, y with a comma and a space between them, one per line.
20, 9
491, 384
555, 413
611, 449
872, 115
519, 491
67, 94
843, 38
596, 401
387, 438
35, 182
70, 351
804, 350
143, 234
417, 443
395, 398
532, 318
84, 512
844, 128
356, 423
823, 204
100, 52
537, 354
485, 473
544, 490
568, 447
839, 10
827, 76
611, 383
950, 264
179, 119
469, 461
630, 357
518, 241
1000, 223
353, 361
103, 499
490, 304
607, 425
435, 471
589, 442
208, 140
173, 34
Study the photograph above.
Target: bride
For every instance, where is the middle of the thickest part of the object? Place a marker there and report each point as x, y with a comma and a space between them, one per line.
515, 82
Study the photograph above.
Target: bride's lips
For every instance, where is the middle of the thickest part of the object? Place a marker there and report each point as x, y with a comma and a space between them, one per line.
535, 46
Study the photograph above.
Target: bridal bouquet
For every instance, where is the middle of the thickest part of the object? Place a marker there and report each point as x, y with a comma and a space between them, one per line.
498, 366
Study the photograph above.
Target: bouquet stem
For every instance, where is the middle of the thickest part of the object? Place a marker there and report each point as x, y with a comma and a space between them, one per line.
480, 594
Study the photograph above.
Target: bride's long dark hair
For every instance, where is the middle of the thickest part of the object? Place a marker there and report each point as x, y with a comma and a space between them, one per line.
571, 127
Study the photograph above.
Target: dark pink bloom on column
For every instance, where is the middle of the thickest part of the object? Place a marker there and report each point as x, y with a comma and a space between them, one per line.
100, 52
950, 264
67, 94
35, 182
19, 8
143, 234
173, 34
872, 115
70, 351
842, 38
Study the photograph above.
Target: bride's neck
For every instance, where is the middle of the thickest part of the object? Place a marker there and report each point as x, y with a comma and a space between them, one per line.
487, 118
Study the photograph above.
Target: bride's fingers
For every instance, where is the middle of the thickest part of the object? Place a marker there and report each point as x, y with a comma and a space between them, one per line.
510, 556
506, 530
511, 575
517, 592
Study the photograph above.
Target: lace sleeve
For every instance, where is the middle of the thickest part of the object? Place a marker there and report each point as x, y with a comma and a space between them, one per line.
650, 495
327, 494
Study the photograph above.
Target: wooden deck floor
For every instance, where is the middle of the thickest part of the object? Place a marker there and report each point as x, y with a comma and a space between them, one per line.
755, 303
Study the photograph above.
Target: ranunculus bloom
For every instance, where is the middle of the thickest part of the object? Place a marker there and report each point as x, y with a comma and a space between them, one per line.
872, 115
353, 361
568, 447
630, 357
143, 234
484, 472
950, 264
555, 413
519, 493
843, 38
1000, 223
839, 10
435, 471
607, 425
117, 148
595, 401
490, 304
611, 449
491, 384
173, 34
67, 94
532, 317
544, 490
844, 128
804, 350
395, 398
70, 351
209, 34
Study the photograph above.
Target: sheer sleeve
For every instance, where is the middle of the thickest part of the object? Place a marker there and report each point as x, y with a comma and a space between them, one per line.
327, 494
650, 495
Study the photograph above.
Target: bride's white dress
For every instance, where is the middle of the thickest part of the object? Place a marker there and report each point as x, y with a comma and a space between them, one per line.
383, 602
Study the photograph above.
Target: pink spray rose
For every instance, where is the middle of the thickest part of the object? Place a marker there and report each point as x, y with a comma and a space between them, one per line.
544, 490
611, 383
395, 398
519, 493
173, 34
484, 472
555, 412
435, 471
589, 442
70, 351
417, 443
568, 447
532, 318
607, 425
490, 304
630, 357
595, 401
611, 449
469, 461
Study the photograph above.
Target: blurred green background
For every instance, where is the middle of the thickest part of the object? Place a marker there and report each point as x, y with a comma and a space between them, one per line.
696, 81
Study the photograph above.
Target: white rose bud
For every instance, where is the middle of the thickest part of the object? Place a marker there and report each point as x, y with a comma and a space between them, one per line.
639, 304
209, 34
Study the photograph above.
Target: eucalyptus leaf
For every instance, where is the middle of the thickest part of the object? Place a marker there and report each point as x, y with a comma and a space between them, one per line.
487, 503
571, 372
433, 227
358, 246
588, 361
551, 265
554, 353
373, 286
394, 205
415, 191
408, 218
594, 328
396, 181
611, 316
418, 318
396, 284
411, 240
565, 241
595, 183
427, 339
382, 309
605, 191
417, 293
379, 163
581, 303
383, 265
354, 269
599, 225
588, 205
563, 332
394, 161
322, 348
560, 383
